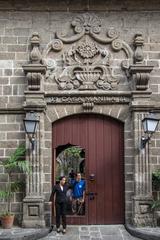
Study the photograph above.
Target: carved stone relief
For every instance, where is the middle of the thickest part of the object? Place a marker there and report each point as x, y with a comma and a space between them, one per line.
86, 66
83, 60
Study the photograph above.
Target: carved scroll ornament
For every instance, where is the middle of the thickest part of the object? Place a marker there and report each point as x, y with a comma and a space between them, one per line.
86, 64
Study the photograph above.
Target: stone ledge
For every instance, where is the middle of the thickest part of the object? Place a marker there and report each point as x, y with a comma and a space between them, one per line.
23, 234
144, 233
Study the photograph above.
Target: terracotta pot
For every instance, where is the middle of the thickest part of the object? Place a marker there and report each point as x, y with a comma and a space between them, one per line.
7, 221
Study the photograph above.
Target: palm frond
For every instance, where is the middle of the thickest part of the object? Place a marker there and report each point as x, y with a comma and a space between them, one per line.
5, 194
17, 161
24, 166
16, 155
16, 186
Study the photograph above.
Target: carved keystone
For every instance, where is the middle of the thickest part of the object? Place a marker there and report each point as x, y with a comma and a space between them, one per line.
88, 106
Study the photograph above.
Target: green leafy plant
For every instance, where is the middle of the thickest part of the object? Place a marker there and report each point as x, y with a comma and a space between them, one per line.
156, 179
155, 208
16, 162
155, 205
74, 155
73, 152
68, 160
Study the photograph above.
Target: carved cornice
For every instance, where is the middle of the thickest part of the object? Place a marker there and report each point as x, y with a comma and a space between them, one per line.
12, 110
39, 68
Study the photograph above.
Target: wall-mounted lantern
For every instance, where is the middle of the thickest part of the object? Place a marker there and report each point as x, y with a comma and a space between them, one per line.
150, 124
30, 124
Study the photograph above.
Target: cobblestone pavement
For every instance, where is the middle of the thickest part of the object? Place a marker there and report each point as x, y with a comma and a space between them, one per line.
109, 232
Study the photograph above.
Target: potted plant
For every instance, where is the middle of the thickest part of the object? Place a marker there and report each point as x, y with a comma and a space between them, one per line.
16, 162
155, 207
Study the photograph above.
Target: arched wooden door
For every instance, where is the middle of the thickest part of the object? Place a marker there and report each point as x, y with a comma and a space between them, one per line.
102, 139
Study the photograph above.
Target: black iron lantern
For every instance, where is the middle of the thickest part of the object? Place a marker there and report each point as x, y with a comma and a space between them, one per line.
30, 125
150, 124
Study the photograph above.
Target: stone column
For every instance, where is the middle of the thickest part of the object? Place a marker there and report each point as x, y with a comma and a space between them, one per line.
142, 215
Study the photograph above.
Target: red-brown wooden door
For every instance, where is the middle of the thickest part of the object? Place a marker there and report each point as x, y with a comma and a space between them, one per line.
102, 139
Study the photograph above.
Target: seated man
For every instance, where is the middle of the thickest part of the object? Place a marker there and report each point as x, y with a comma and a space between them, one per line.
78, 194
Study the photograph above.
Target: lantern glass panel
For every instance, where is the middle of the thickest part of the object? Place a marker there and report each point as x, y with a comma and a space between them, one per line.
30, 126
145, 126
152, 125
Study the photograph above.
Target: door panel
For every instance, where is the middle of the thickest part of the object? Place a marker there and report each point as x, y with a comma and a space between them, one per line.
102, 139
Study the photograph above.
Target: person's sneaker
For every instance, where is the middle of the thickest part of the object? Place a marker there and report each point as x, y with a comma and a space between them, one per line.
58, 230
64, 231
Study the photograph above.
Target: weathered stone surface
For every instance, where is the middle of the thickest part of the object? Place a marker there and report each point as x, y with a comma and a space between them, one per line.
47, 18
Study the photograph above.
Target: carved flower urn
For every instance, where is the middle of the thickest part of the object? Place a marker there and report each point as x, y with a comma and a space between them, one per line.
87, 78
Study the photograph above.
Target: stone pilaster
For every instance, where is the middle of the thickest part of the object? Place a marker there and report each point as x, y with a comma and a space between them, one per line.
142, 215
33, 203
141, 104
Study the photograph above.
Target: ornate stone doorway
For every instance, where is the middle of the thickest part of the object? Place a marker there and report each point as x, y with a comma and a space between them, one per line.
87, 71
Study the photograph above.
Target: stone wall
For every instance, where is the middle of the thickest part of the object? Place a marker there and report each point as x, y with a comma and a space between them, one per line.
80, 5
19, 20
12, 135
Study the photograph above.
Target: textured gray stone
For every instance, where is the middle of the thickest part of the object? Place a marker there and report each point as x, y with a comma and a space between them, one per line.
7, 90
17, 48
7, 56
16, 27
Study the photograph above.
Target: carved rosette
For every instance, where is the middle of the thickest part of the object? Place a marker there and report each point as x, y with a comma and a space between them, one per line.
35, 70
